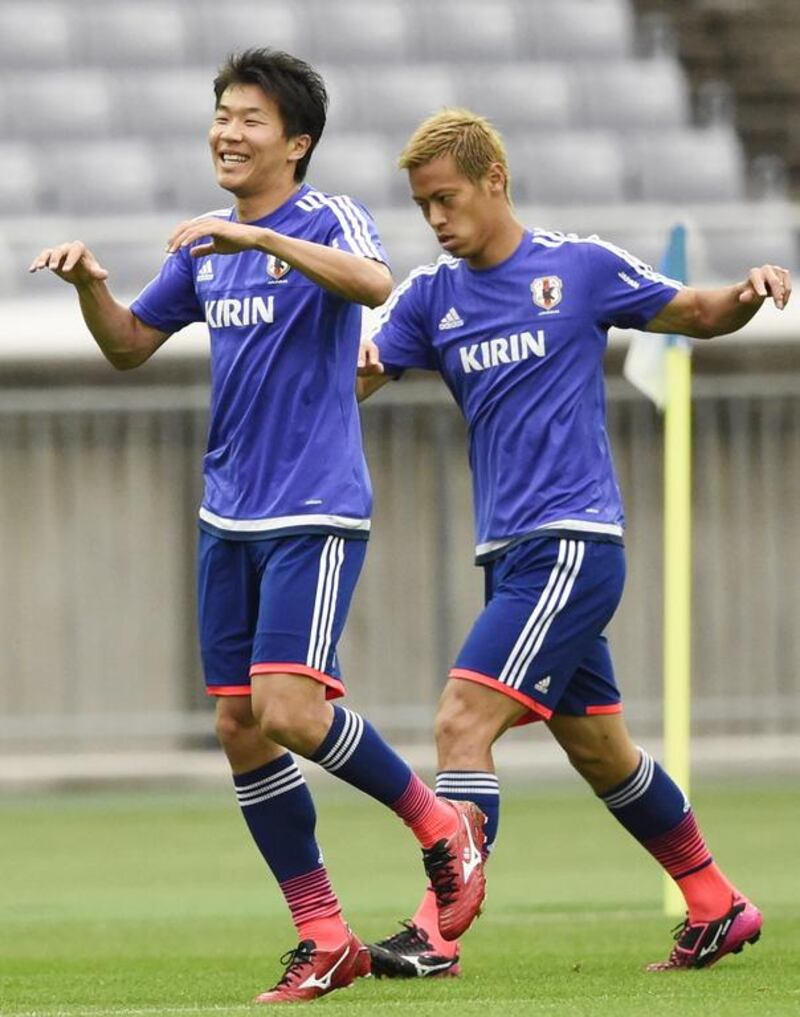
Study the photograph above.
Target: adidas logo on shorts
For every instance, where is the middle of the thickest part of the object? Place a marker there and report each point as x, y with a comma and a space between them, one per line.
543, 685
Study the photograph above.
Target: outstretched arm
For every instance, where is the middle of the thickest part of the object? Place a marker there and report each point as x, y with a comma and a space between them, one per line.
703, 314
347, 275
124, 339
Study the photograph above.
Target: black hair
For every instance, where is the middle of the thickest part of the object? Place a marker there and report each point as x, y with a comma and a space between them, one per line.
297, 89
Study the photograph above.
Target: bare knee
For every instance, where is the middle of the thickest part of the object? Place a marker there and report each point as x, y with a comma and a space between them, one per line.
469, 719
598, 747
292, 711
239, 734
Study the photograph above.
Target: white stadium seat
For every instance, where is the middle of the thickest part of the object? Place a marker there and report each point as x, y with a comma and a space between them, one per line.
567, 167
520, 94
462, 31
135, 33
631, 94
688, 165
356, 164
215, 29
20, 185
63, 103
34, 35
108, 176
576, 28
357, 30
178, 100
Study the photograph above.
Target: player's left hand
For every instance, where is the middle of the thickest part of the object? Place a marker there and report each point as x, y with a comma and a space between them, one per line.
369, 359
226, 237
767, 281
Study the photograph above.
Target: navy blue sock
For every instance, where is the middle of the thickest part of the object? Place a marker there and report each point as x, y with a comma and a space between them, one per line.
474, 786
278, 809
354, 751
649, 802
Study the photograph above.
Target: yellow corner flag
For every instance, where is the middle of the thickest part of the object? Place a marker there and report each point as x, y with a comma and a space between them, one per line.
661, 367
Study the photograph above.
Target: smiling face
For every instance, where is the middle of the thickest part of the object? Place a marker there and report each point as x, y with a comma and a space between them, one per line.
465, 215
251, 153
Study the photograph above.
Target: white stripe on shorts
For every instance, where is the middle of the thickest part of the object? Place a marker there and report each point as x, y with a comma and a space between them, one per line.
330, 567
554, 597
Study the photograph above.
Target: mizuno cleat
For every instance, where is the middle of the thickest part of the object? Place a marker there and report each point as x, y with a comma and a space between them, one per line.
701, 944
409, 954
311, 973
455, 870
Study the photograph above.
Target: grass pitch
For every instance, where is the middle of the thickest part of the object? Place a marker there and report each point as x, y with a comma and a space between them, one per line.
151, 903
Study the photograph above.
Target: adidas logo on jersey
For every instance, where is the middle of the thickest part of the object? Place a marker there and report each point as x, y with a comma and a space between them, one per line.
206, 273
451, 320
543, 685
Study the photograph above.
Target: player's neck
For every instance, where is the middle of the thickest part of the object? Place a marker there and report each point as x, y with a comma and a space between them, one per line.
258, 206
500, 245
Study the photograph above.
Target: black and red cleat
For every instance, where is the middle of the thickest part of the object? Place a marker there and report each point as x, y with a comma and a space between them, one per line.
701, 944
311, 973
454, 867
410, 954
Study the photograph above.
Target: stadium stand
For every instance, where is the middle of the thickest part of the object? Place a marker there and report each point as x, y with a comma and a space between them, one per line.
104, 110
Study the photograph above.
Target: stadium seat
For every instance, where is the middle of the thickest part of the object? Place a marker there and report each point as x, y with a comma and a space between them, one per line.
567, 167
34, 35
396, 99
60, 103
520, 94
356, 30
109, 176
576, 28
631, 94
127, 33
461, 31
20, 188
215, 29
688, 165
130, 265
187, 185
733, 250
179, 100
360, 165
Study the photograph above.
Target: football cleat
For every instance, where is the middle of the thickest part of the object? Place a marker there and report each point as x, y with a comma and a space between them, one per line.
454, 867
701, 944
311, 973
409, 954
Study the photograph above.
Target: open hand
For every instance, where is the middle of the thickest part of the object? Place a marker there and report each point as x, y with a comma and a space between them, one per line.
73, 262
225, 237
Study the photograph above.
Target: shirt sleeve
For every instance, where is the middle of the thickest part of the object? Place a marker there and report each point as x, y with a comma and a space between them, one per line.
353, 229
625, 291
401, 334
169, 301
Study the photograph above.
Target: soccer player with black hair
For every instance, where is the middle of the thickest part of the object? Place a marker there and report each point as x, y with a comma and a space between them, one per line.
515, 320
279, 279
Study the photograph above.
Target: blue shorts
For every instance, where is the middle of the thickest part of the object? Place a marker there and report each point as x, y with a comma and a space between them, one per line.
539, 639
274, 606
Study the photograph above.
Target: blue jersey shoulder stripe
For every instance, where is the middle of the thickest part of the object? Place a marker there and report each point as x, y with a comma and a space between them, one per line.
443, 261
551, 238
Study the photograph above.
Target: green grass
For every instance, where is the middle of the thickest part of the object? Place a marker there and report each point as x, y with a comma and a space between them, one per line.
147, 903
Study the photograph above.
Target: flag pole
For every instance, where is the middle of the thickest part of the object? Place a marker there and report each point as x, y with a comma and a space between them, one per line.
677, 559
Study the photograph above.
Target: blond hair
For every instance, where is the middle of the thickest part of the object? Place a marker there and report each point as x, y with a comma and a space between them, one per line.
472, 140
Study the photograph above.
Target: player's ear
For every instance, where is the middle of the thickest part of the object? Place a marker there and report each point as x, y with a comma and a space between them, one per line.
496, 178
299, 146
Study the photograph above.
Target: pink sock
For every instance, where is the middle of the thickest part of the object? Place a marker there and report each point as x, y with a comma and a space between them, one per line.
708, 893
426, 918
430, 818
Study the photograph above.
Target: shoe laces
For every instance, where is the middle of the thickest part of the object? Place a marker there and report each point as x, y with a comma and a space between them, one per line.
295, 960
438, 862
412, 936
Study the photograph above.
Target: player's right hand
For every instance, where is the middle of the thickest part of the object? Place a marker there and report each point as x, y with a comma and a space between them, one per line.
369, 359
72, 262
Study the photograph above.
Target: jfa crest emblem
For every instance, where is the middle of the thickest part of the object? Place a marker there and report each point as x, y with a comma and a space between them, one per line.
277, 269
547, 291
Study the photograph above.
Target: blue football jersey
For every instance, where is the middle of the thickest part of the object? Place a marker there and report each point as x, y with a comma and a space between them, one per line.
520, 346
284, 451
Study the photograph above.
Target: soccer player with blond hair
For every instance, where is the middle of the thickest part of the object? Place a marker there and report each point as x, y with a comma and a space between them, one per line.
515, 320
